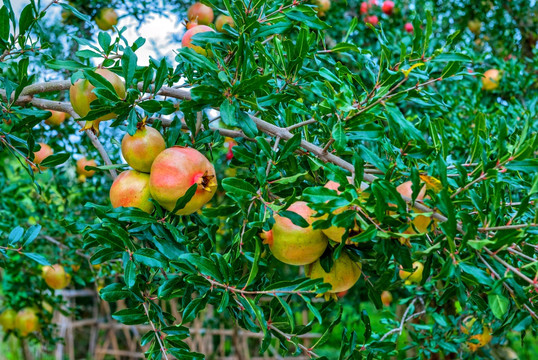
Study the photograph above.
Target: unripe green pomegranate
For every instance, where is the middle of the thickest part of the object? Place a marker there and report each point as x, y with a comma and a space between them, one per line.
7, 319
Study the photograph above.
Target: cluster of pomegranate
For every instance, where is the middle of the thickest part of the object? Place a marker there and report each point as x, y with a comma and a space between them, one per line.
295, 245
387, 7
200, 17
161, 174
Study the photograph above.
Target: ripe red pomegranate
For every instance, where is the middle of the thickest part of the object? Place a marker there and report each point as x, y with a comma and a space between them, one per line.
186, 40
201, 13
372, 19
364, 7
44, 152
142, 148
343, 274
174, 171
408, 27
387, 7
131, 189
293, 244
81, 96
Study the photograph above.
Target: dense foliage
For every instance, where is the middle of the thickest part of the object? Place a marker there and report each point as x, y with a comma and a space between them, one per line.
281, 103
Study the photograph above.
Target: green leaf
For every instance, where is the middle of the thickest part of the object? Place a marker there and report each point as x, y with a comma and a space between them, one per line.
498, 304
130, 274
128, 65
150, 257
4, 23
238, 186
295, 218
77, 13
40, 259
339, 136
15, 235
55, 159
131, 316
184, 200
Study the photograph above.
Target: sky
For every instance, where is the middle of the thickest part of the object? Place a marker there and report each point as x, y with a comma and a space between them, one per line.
157, 32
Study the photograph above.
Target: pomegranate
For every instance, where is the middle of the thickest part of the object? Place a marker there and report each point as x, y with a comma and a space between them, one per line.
186, 40
412, 277
142, 148
56, 118
106, 18
409, 27
201, 13
191, 24
131, 189
81, 96
81, 167
222, 20
386, 298
343, 275
388, 7
7, 319
420, 222
323, 6
372, 19
174, 171
44, 152
293, 244
475, 26
491, 79
27, 321
55, 276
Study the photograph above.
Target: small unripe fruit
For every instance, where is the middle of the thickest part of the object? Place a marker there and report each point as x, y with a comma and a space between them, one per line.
387, 7
56, 118
186, 41
491, 79
106, 18
55, 276
475, 26
386, 298
222, 20
415, 276
293, 244
81, 96
372, 19
174, 171
26, 321
7, 319
44, 152
408, 27
343, 275
201, 13
81, 167
131, 189
142, 148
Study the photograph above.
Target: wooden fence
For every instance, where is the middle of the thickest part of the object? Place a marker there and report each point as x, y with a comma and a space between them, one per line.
101, 337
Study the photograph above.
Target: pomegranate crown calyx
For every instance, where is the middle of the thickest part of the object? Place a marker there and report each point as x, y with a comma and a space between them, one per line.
207, 181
